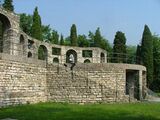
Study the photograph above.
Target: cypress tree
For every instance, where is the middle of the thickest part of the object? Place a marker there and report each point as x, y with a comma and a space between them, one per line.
61, 40
97, 38
73, 35
147, 53
8, 5
119, 48
36, 29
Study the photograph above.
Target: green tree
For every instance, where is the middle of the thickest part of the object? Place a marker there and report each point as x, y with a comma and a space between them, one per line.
119, 48
97, 38
155, 85
8, 5
55, 37
46, 33
82, 41
147, 53
67, 41
26, 22
104, 44
73, 35
61, 40
131, 54
91, 39
36, 29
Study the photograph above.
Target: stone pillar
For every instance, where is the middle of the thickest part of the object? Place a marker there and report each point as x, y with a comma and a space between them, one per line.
140, 84
144, 84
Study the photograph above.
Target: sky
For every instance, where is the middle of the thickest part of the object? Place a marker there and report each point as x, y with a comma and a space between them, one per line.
128, 16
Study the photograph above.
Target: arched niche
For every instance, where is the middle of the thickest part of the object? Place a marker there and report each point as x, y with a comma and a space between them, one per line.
68, 53
42, 52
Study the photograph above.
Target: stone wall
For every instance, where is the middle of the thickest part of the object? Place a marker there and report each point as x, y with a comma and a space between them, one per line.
87, 83
21, 83
30, 81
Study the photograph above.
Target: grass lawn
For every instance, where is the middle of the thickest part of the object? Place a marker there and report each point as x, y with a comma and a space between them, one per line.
57, 111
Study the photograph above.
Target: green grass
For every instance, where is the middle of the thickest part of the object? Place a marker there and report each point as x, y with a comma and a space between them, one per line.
57, 111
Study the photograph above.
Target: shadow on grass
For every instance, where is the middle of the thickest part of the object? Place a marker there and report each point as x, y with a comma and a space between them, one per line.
73, 112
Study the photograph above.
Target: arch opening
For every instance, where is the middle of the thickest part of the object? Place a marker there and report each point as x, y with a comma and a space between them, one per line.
102, 58
4, 26
69, 53
55, 60
42, 52
29, 54
87, 61
21, 42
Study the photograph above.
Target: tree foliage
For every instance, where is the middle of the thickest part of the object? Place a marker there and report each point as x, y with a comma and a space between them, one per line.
36, 29
26, 23
97, 38
73, 35
8, 5
54, 37
131, 54
83, 41
147, 53
61, 40
155, 85
46, 33
119, 48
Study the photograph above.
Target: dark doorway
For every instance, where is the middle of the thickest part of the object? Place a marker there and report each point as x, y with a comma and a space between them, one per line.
102, 58
132, 84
